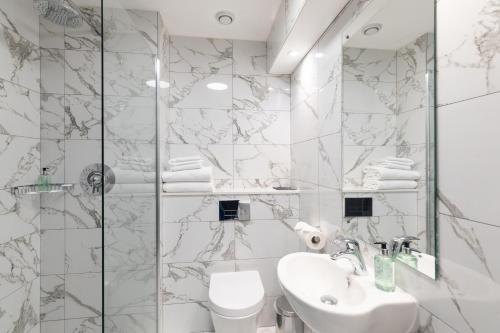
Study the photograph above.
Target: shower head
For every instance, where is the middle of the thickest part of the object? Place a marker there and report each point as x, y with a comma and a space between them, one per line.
62, 12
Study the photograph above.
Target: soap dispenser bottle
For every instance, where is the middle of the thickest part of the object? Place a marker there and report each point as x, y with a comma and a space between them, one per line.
406, 256
44, 181
384, 269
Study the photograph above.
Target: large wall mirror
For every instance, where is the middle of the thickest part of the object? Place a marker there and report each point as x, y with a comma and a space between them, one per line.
388, 127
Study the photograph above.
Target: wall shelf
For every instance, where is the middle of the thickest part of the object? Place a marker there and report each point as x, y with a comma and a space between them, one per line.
364, 190
35, 189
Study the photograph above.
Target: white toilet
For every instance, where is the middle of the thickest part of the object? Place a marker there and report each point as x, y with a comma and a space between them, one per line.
235, 300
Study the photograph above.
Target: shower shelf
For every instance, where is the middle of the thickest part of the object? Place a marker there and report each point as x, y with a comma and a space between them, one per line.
35, 189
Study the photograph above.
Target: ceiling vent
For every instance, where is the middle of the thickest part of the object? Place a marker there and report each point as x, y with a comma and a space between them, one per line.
224, 17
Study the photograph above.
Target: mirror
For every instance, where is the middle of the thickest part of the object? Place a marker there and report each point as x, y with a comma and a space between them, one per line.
388, 128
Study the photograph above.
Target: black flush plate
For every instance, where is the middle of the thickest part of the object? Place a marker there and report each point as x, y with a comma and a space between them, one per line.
358, 207
228, 209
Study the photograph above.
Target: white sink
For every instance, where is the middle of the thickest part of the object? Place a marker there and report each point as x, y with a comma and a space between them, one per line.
311, 281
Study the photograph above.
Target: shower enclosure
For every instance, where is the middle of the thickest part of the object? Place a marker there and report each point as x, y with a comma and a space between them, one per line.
80, 98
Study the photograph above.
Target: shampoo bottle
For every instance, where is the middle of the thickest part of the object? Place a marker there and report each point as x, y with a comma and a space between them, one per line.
43, 181
406, 256
384, 269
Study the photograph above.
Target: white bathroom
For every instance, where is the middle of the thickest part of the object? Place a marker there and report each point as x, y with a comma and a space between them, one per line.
264, 166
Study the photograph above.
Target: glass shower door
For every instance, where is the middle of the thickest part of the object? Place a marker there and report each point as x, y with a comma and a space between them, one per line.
130, 204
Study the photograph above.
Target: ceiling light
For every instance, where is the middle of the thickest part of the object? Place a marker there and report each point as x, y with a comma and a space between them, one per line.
217, 86
224, 17
372, 29
152, 84
293, 53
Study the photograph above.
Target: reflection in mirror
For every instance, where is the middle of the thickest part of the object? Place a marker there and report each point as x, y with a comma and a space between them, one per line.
388, 124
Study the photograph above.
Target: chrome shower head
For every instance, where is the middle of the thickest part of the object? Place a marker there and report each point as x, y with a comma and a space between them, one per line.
62, 12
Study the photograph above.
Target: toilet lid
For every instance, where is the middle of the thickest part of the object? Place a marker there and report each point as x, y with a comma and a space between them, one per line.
236, 294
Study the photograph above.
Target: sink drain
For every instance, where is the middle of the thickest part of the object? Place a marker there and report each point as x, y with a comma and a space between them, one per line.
328, 299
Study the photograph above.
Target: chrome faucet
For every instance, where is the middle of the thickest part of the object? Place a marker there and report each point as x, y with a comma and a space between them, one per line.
398, 243
353, 254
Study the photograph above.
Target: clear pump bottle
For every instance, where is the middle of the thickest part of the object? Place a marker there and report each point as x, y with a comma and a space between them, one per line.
384, 269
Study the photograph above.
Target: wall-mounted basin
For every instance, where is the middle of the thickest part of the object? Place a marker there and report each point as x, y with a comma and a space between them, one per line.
329, 298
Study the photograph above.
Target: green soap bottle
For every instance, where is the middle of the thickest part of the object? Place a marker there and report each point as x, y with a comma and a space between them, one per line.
44, 181
407, 257
384, 269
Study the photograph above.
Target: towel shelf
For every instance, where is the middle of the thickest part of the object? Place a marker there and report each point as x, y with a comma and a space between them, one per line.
35, 189
364, 190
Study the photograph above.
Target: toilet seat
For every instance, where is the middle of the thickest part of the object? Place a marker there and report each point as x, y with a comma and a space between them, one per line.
236, 294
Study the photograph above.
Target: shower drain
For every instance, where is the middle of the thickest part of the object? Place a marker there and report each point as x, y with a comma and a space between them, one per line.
329, 300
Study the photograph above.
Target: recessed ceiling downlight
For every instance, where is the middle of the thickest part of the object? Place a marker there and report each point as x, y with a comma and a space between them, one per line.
217, 86
372, 29
224, 17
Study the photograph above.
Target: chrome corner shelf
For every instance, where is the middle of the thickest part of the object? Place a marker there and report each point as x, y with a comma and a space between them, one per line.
35, 189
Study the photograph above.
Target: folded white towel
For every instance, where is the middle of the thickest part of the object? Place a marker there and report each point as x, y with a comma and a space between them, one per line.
190, 166
194, 175
188, 187
390, 184
132, 188
186, 159
379, 173
400, 160
133, 177
394, 166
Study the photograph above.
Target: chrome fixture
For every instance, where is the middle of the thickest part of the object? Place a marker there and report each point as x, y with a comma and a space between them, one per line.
92, 179
353, 254
62, 12
372, 29
224, 17
397, 244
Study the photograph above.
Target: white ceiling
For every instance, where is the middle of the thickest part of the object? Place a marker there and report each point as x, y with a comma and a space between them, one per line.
402, 22
253, 18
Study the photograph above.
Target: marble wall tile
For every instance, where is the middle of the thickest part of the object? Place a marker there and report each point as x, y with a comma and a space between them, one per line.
82, 73
189, 282
189, 90
78, 301
329, 161
19, 110
52, 69
187, 317
367, 65
329, 58
52, 116
261, 161
86, 37
411, 127
132, 246
261, 92
304, 80
21, 59
19, 16
249, 57
126, 74
79, 154
19, 263
356, 158
261, 127
52, 152
20, 216
330, 214
55, 326
51, 35
465, 147
413, 92
273, 207
190, 209
82, 117
84, 325
199, 126
220, 157
267, 271
370, 97
201, 55
305, 159
140, 322
83, 250
20, 160
127, 30
52, 298
130, 118
305, 120
369, 129
52, 246
265, 239
131, 290
467, 52
21, 310
82, 210
198, 241
330, 108
412, 58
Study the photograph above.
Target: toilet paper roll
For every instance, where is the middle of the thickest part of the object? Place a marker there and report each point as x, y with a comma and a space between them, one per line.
313, 237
